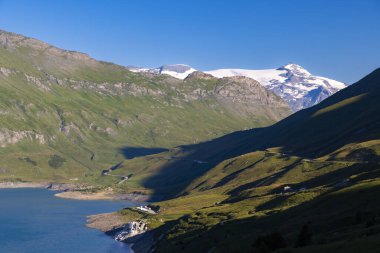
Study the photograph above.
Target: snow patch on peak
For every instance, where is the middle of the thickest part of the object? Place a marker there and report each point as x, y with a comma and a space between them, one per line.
295, 69
180, 71
180, 68
294, 84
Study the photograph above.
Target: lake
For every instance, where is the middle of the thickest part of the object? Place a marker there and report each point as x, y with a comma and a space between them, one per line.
33, 220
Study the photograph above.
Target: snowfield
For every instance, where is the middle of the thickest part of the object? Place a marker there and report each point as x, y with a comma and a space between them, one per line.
297, 86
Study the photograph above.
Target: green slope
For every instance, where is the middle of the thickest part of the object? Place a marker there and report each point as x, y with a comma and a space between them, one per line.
65, 116
234, 200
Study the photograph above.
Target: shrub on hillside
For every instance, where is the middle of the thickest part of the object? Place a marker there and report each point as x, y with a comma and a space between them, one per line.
269, 242
56, 161
305, 237
28, 160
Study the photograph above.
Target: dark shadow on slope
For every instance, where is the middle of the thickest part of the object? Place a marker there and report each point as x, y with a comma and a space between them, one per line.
330, 216
349, 116
133, 152
264, 181
186, 163
337, 179
334, 181
235, 174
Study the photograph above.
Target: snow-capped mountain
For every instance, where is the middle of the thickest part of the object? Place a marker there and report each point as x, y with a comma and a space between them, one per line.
180, 71
294, 84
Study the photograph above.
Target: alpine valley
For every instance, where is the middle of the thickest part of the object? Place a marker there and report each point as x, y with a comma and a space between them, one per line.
230, 160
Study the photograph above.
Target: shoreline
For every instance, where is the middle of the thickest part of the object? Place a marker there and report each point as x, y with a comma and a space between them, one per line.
112, 223
107, 223
15, 185
77, 192
102, 195
41, 185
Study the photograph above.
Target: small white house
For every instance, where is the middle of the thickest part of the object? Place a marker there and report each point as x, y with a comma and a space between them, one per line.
146, 209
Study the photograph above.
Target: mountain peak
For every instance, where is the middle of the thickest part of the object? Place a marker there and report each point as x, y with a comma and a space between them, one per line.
295, 69
179, 68
293, 83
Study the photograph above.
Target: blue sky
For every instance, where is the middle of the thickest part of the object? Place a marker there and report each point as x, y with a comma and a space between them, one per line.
334, 38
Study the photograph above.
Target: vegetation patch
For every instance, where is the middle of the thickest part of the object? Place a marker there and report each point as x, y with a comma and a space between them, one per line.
28, 160
56, 161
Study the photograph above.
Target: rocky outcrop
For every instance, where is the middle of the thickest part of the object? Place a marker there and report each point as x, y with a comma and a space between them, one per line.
130, 230
6, 71
137, 234
40, 83
199, 75
11, 137
248, 91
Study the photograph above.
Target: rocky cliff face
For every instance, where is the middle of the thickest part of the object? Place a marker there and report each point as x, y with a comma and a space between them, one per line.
245, 90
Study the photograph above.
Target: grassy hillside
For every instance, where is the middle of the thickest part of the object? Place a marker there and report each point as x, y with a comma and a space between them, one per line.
309, 183
65, 116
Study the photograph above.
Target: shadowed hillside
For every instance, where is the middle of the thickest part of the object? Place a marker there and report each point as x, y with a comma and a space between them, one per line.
309, 183
340, 128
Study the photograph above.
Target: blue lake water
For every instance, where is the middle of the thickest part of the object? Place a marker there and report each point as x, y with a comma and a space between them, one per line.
34, 221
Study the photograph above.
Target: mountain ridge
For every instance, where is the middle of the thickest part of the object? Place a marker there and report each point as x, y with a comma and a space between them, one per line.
298, 87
